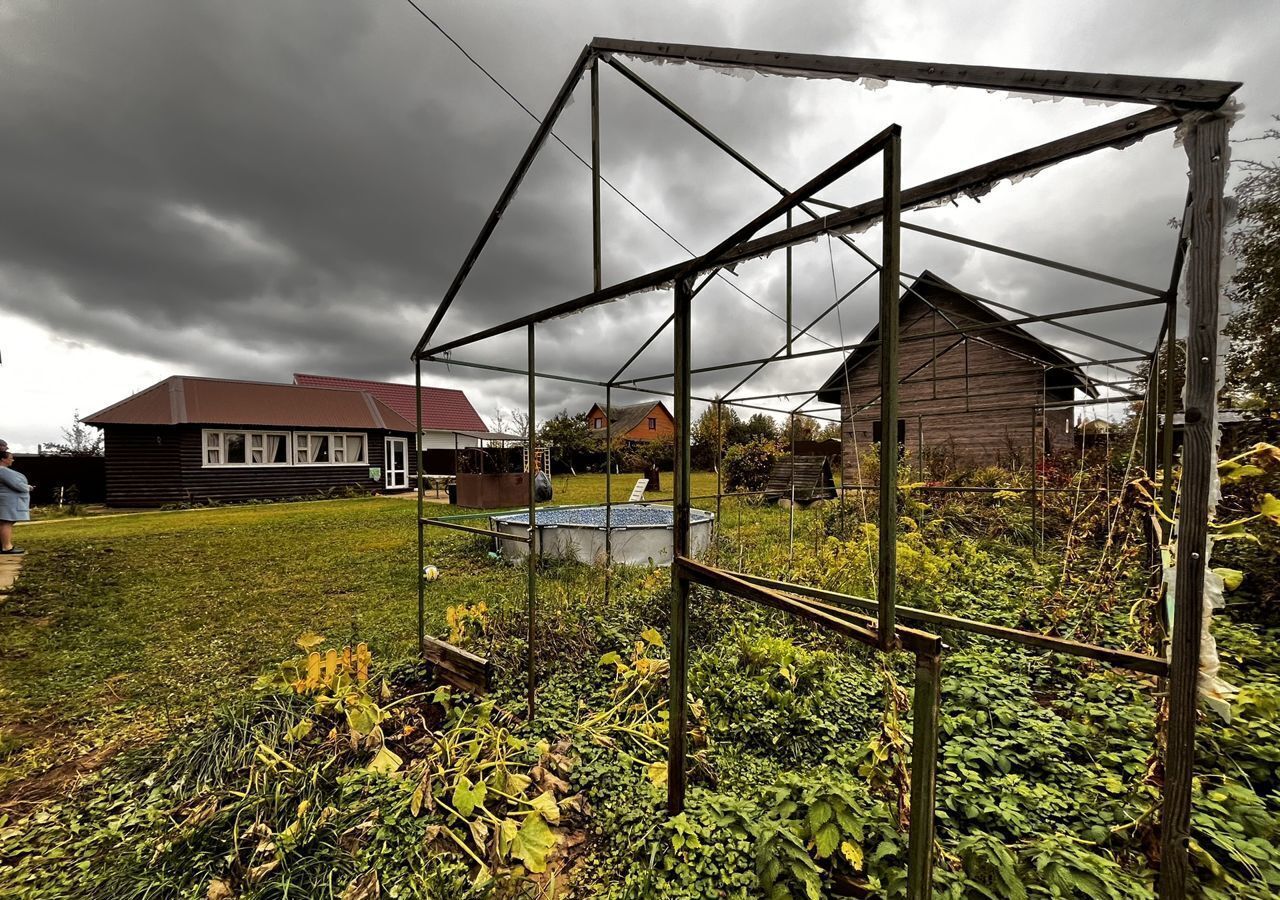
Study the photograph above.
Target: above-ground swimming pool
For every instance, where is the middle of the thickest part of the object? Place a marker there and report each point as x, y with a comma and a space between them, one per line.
641, 535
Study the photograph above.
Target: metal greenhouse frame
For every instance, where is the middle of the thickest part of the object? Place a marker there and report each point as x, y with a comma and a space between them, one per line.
1195, 107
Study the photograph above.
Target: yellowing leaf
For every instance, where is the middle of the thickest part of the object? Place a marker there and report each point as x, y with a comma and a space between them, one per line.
257, 873
219, 890
657, 773
1270, 508
507, 833
466, 797
299, 731
1231, 578
545, 805
853, 853
516, 783
1236, 473
532, 843
384, 762
651, 635
364, 887
309, 639
363, 714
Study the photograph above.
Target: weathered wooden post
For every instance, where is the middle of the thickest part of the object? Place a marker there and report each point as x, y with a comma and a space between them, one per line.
1207, 147
924, 775
887, 564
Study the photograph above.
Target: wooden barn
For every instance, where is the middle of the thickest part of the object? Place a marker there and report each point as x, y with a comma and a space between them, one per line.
973, 398
194, 440
635, 424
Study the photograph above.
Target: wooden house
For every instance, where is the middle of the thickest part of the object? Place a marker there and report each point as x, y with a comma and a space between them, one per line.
195, 440
449, 422
637, 423
974, 397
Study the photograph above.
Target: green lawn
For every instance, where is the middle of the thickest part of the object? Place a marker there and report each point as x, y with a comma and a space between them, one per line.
119, 624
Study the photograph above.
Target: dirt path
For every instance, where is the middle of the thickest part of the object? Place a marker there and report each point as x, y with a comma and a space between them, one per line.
9, 568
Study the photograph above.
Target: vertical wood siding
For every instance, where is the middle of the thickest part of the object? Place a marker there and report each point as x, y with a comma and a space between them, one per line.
949, 382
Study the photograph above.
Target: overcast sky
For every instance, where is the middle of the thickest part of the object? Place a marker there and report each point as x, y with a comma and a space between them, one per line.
250, 188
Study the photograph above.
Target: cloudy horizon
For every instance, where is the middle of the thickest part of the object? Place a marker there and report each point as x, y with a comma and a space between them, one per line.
248, 190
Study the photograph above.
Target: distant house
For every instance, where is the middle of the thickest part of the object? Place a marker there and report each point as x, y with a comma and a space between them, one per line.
637, 423
449, 421
191, 440
976, 397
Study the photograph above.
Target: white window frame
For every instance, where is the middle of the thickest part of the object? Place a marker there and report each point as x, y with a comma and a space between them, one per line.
338, 441
214, 440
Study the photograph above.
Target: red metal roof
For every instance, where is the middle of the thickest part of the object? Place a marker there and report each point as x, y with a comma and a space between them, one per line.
443, 409
182, 400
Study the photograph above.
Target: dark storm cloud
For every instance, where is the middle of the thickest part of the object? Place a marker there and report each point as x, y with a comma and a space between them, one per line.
248, 189
210, 182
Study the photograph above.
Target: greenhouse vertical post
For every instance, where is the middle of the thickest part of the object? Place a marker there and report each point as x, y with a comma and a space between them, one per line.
532, 559
678, 706
887, 564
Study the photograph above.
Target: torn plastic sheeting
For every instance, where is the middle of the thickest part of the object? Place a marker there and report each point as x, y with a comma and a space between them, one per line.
1034, 98
745, 72
1233, 110
1030, 173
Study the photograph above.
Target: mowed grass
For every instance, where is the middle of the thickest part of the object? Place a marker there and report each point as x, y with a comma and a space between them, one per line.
122, 626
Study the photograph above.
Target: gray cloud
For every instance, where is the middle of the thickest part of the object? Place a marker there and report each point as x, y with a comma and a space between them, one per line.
248, 189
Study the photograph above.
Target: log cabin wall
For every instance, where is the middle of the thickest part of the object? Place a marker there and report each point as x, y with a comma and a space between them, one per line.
149, 465
143, 465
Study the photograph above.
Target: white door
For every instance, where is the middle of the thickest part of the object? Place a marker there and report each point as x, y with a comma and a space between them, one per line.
397, 463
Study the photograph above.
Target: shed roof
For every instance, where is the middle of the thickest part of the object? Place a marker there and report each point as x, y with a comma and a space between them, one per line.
443, 409
930, 285
188, 400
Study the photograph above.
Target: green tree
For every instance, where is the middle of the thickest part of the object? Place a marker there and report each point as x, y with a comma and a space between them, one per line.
747, 466
78, 440
1253, 360
570, 437
708, 434
805, 428
830, 431
760, 427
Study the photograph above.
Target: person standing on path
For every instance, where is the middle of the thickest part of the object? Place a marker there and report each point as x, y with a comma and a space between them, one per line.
15, 502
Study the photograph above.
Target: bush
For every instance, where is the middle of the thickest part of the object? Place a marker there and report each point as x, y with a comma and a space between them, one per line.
747, 466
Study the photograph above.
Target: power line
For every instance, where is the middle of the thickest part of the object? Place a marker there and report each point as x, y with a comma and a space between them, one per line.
530, 113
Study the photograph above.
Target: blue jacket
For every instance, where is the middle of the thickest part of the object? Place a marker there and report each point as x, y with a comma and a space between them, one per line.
15, 496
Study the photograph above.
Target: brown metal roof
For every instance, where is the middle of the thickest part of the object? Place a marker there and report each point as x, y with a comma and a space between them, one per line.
183, 400
443, 409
